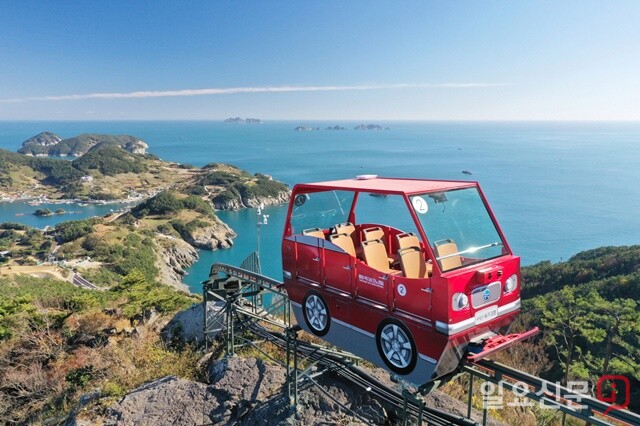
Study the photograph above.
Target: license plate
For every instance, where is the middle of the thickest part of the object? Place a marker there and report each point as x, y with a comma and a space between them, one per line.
486, 315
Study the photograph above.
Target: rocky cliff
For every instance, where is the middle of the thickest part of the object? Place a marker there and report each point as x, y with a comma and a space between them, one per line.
216, 236
173, 257
239, 202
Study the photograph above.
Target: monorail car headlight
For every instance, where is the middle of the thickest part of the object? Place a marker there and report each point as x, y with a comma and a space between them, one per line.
459, 301
511, 283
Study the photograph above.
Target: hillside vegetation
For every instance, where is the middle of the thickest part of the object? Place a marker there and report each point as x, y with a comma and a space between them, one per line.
109, 172
58, 342
112, 171
589, 311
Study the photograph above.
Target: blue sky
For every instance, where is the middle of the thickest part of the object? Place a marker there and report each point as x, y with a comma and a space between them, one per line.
422, 60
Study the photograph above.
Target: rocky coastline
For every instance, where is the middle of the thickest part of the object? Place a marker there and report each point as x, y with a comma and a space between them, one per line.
251, 202
173, 257
171, 204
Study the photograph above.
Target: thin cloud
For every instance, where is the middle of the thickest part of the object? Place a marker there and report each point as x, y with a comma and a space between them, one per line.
259, 89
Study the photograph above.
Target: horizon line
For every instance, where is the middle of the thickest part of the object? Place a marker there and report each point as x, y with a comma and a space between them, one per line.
339, 120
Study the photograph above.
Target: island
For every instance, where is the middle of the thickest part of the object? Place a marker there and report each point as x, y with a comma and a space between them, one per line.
305, 128
110, 173
239, 120
336, 127
52, 145
370, 127
173, 209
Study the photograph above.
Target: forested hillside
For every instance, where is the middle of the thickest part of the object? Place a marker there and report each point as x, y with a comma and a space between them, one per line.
588, 309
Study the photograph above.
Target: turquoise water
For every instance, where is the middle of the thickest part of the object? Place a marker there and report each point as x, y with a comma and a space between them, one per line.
556, 188
23, 212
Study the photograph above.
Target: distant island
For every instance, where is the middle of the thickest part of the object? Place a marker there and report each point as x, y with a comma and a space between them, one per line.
109, 172
370, 127
47, 144
305, 128
46, 212
336, 127
240, 120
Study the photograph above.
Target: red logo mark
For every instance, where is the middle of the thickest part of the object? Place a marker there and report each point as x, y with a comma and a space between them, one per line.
613, 381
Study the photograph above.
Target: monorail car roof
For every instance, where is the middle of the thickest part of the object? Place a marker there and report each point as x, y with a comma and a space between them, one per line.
387, 185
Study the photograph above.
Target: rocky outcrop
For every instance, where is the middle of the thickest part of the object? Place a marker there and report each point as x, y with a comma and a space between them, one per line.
250, 202
244, 391
173, 257
216, 236
249, 391
43, 139
166, 401
187, 326
136, 147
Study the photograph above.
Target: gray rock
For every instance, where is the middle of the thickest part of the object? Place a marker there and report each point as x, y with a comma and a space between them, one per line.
216, 236
174, 256
188, 325
167, 401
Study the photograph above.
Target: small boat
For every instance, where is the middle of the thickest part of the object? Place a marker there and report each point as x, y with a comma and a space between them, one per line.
466, 172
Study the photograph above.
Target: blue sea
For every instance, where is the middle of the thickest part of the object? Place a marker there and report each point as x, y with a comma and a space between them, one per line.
557, 188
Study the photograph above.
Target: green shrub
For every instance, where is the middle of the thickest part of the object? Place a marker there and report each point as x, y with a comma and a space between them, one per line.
74, 229
110, 161
79, 377
196, 203
162, 203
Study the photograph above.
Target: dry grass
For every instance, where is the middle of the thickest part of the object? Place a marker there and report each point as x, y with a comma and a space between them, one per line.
40, 271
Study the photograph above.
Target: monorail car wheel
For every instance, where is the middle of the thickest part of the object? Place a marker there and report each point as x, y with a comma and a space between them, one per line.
396, 346
316, 313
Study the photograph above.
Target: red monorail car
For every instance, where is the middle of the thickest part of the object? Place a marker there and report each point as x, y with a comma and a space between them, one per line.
409, 278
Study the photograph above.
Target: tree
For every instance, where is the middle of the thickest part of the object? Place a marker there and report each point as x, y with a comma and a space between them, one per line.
563, 318
610, 321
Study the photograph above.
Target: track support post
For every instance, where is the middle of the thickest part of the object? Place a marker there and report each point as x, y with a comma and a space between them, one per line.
291, 334
417, 400
470, 400
230, 336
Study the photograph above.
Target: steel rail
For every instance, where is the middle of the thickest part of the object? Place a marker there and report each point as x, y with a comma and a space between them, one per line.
553, 395
352, 374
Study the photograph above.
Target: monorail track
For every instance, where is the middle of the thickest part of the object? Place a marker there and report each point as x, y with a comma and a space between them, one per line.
347, 371
342, 363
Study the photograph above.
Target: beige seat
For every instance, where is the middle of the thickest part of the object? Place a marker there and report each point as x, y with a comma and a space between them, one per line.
407, 240
349, 229
412, 263
314, 232
375, 233
345, 242
375, 254
445, 252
